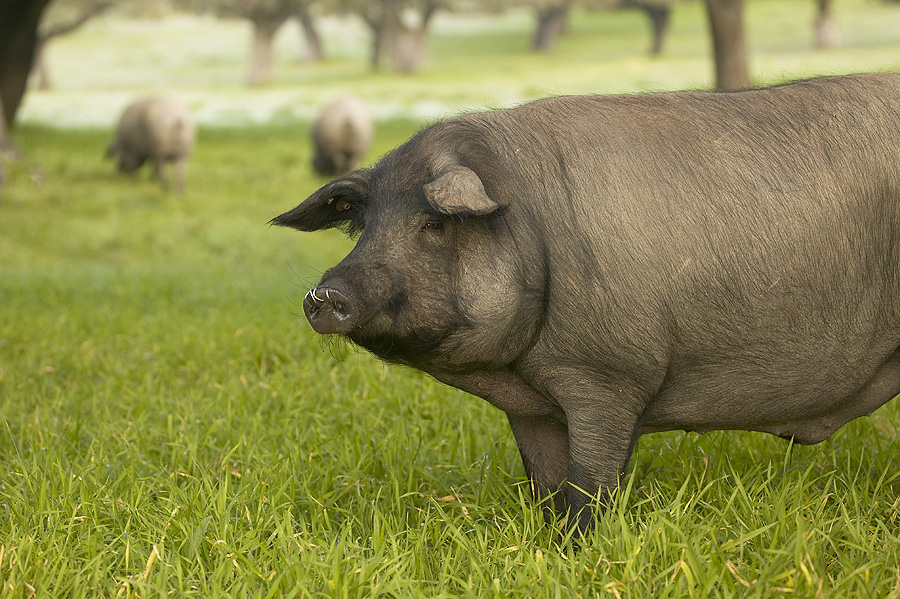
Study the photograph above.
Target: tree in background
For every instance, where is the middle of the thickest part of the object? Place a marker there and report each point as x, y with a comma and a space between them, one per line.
60, 18
552, 17
825, 27
310, 41
267, 17
399, 30
18, 35
659, 12
726, 25
730, 55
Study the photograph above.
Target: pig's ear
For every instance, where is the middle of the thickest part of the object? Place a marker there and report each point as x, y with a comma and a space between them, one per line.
336, 204
458, 191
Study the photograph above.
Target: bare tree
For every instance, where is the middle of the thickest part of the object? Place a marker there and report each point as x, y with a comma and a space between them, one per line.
267, 17
311, 41
659, 13
551, 23
825, 27
399, 30
726, 23
18, 35
62, 17
552, 17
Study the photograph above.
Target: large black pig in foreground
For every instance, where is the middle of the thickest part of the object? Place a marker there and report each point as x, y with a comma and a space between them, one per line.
603, 267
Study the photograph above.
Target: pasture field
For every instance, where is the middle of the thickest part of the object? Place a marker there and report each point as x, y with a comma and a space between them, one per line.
171, 427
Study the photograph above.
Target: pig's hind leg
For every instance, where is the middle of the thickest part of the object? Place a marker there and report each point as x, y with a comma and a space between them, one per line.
179, 168
159, 173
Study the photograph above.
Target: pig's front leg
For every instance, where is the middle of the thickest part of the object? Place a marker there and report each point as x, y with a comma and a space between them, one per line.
602, 429
538, 425
544, 445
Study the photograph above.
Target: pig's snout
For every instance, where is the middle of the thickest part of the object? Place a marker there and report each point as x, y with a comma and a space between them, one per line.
329, 310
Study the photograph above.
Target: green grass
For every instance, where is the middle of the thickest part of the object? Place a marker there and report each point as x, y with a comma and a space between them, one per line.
169, 426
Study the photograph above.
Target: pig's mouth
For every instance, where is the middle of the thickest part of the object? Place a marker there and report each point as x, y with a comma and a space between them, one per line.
332, 311
400, 347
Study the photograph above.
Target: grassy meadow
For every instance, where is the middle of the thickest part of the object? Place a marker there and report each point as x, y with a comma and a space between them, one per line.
171, 427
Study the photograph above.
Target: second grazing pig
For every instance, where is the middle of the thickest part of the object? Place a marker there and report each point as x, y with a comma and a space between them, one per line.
158, 130
341, 136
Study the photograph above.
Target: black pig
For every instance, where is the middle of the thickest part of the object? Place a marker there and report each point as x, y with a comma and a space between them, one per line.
603, 267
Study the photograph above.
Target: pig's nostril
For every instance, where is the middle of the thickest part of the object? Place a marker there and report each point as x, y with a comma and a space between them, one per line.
341, 311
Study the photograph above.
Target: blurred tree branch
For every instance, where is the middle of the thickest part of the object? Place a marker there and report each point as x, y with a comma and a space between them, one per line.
61, 18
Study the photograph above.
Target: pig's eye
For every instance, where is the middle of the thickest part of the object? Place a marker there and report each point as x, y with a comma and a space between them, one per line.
433, 225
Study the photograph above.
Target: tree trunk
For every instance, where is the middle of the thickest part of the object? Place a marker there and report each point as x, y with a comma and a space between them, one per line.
18, 35
39, 66
410, 51
551, 23
377, 48
726, 23
311, 37
660, 16
4, 141
383, 18
403, 46
262, 57
382, 39
825, 27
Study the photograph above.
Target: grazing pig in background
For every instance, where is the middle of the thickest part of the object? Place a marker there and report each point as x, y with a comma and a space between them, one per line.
341, 136
157, 129
603, 267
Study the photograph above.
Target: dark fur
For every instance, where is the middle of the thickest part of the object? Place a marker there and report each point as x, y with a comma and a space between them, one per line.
604, 267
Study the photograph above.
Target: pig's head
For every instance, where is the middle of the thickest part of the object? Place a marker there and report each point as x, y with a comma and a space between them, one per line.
436, 278
126, 161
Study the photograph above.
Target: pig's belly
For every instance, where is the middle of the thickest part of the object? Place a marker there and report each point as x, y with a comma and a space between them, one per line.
806, 404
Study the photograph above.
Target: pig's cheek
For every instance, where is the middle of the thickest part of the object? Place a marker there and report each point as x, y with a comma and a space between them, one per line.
488, 296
